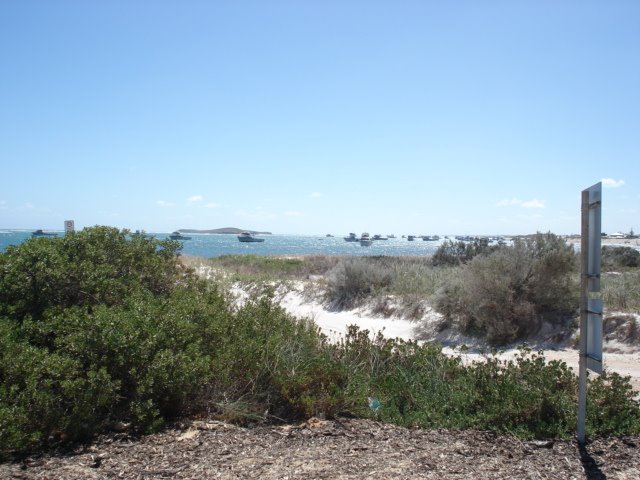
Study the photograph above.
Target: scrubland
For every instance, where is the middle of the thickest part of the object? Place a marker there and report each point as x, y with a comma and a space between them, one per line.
104, 330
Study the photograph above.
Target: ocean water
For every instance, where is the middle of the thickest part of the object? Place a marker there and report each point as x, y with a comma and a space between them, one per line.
217, 245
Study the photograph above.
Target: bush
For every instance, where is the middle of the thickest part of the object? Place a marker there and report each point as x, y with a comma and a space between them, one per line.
99, 265
620, 257
97, 326
622, 292
505, 295
353, 279
612, 408
526, 396
456, 253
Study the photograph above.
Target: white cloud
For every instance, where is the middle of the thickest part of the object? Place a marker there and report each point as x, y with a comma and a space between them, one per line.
293, 213
315, 195
162, 203
505, 202
535, 203
195, 198
212, 205
611, 183
510, 202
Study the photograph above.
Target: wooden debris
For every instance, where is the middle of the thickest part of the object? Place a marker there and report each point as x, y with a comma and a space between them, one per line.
321, 449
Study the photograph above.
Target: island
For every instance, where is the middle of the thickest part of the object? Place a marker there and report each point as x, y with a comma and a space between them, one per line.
224, 231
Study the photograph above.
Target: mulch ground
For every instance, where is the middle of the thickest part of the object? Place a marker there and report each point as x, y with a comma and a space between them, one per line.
339, 449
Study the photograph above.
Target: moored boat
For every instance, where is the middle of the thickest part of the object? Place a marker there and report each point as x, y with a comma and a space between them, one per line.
247, 237
42, 233
178, 236
379, 237
351, 238
365, 240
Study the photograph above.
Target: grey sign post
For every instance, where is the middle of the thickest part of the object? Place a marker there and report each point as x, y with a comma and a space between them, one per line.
69, 226
590, 310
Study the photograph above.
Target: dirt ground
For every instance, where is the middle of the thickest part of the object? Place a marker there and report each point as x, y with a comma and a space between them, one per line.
340, 449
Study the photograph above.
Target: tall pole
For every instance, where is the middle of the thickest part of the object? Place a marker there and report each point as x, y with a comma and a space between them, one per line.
584, 303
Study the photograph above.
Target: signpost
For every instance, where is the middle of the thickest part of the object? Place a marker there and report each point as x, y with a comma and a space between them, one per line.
590, 310
69, 226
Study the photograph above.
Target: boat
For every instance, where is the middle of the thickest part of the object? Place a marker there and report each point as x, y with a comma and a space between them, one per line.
433, 238
351, 238
411, 238
178, 236
365, 240
379, 237
42, 233
391, 235
247, 237
328, 235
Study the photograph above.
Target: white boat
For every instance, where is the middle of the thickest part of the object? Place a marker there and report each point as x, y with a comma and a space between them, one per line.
379, 237
247, 237
351, 238
365, 240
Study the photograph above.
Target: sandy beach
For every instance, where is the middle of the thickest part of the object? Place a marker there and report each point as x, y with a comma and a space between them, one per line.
610, 242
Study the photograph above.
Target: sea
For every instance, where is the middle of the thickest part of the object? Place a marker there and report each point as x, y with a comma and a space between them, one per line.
215, 245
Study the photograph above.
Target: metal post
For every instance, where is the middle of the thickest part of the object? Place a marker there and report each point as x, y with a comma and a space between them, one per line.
584, 302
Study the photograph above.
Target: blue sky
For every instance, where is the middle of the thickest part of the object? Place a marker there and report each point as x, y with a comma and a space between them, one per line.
316, 117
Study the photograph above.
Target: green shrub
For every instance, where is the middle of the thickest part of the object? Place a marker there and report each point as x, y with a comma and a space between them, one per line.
620, 257
97, 326
353, 279
612, 408
47, 393
527, 396
256, 268
98, 265
621, 291
451, 253
506, 294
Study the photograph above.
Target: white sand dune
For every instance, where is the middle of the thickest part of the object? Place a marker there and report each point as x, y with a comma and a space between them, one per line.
335, 323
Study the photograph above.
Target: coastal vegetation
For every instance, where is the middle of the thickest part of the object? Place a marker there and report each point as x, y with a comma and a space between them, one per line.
103, 329
473, 284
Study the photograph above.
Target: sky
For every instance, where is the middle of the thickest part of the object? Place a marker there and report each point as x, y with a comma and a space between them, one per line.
314, 117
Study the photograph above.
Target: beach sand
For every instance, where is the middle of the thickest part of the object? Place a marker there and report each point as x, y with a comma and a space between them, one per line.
334, 324
610, 242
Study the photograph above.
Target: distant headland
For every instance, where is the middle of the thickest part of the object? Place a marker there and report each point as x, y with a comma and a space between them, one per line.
227, 230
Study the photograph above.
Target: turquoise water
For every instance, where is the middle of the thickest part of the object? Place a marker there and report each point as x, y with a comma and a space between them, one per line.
217, 245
